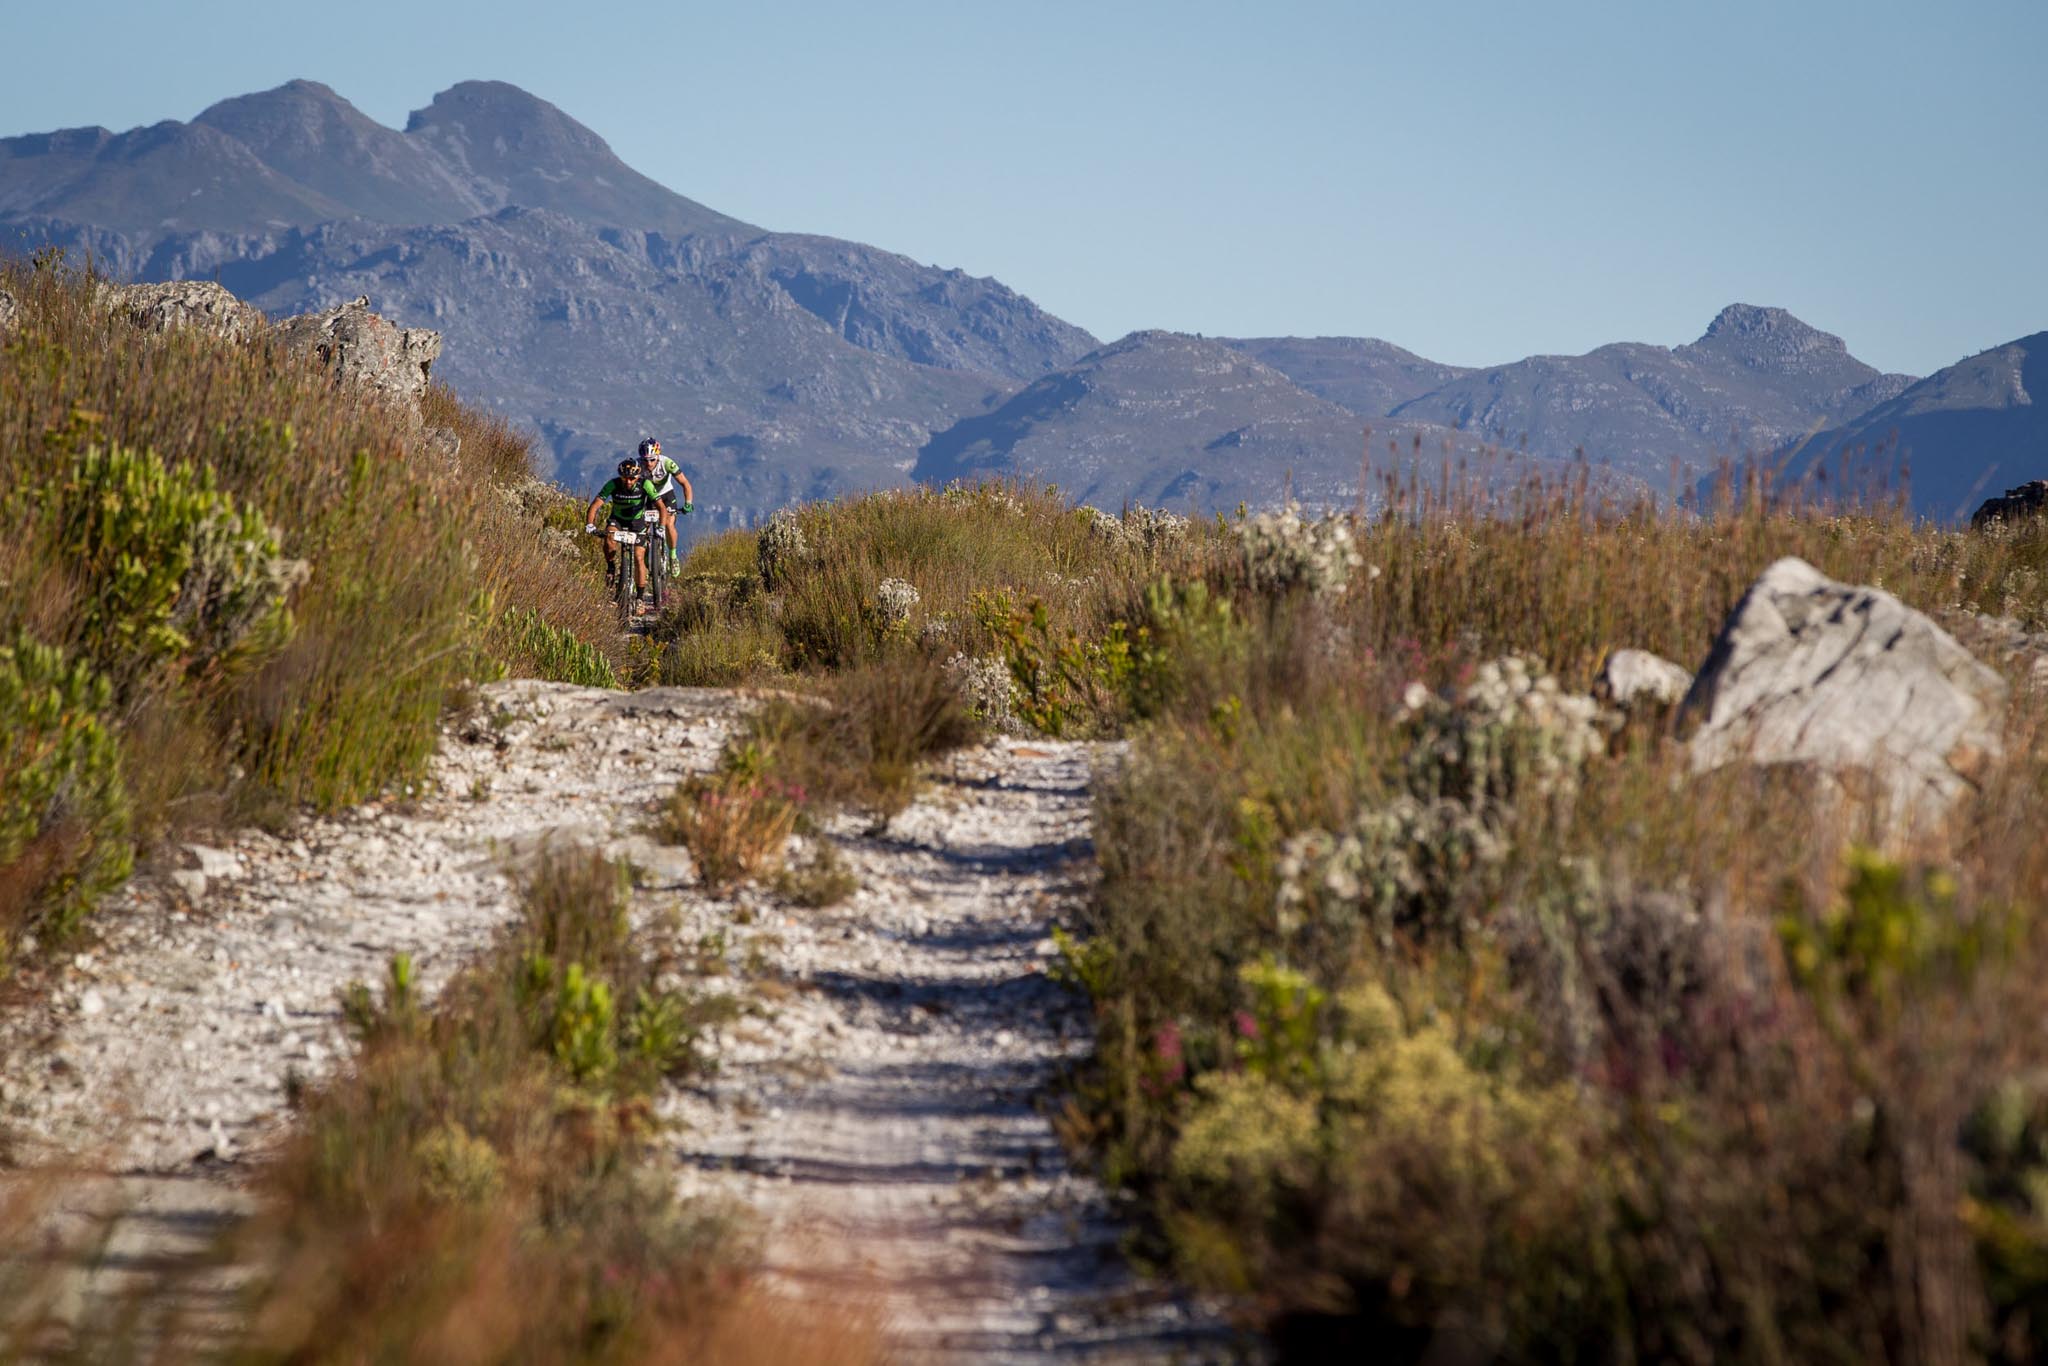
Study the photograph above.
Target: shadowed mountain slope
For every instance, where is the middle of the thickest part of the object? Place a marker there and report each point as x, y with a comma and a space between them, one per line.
1955, 438
167, 178
577, 295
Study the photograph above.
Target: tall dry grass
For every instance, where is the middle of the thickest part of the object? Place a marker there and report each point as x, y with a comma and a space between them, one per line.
1638, 1065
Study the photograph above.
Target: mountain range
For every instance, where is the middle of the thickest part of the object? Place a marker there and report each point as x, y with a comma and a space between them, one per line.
594, 305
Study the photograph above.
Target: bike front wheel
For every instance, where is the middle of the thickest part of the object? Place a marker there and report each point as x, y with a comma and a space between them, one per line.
625, 590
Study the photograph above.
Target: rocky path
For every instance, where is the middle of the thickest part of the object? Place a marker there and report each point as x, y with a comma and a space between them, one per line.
170, 1042
888, 1120
880, 1111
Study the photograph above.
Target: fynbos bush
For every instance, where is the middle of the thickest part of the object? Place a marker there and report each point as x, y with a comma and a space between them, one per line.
782, 549
894, 601
177, 576
1141, 530
984, 684
1283, 550
1510, 736
525, 643
63, 810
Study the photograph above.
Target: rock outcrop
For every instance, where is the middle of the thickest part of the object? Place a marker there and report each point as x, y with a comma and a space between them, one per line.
180, 304
358, 347
1847, 680
1637, 678
2026, 501
9, 311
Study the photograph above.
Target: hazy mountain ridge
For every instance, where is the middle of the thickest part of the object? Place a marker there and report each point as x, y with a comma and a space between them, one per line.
1756, 378
1369, 376
1186, 422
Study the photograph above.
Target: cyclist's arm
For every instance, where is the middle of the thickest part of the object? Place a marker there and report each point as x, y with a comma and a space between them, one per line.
590, 513
689, 494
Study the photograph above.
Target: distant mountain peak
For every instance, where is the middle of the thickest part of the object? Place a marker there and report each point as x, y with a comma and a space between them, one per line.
1768, 329
503, 109
516, 148
298, 106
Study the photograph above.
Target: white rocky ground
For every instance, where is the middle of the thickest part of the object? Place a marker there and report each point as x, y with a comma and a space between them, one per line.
170, 1040
881, 1112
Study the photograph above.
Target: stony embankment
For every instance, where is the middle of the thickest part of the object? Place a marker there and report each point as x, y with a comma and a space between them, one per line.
881, 1107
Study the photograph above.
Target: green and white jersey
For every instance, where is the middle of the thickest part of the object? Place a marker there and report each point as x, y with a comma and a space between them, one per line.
662, 477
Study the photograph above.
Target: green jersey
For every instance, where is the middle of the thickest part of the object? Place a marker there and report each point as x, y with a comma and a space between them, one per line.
628, 501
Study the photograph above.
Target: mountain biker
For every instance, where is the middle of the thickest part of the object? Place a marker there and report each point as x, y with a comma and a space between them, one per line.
630, 497
662, 474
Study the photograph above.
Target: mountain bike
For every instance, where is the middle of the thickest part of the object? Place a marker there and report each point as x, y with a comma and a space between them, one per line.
657, 558
626, 581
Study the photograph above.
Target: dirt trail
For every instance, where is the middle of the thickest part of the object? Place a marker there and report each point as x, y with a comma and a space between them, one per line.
881, 1115
888, 1122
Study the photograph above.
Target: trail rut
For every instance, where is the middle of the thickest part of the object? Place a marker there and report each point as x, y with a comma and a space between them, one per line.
889, 1124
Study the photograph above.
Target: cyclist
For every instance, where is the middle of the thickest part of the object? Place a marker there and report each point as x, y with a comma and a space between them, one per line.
630, 497
662, 475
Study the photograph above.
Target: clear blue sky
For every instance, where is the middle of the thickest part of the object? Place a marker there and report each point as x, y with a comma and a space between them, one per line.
1475, 181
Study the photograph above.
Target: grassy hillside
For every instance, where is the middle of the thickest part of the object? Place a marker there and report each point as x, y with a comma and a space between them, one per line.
1453, 1019
227, 589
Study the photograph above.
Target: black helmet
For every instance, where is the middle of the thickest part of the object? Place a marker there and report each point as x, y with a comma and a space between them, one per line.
651, 446
629, 467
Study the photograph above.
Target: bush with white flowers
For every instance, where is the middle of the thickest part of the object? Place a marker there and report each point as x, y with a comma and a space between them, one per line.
1509, 736
1284, 550
985, 684
894, 599
781, 548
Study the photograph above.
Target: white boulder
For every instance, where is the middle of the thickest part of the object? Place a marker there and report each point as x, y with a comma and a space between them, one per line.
1845, 679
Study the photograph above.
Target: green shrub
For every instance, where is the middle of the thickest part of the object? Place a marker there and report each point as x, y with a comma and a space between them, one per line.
154, 482
177, 577
482, 1182
583, 1027
525, 645
64, 821
1061, 681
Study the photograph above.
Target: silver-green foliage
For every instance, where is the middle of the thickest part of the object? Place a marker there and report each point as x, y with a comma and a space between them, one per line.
1510, 736
1284, 550
526, 645
782, 549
